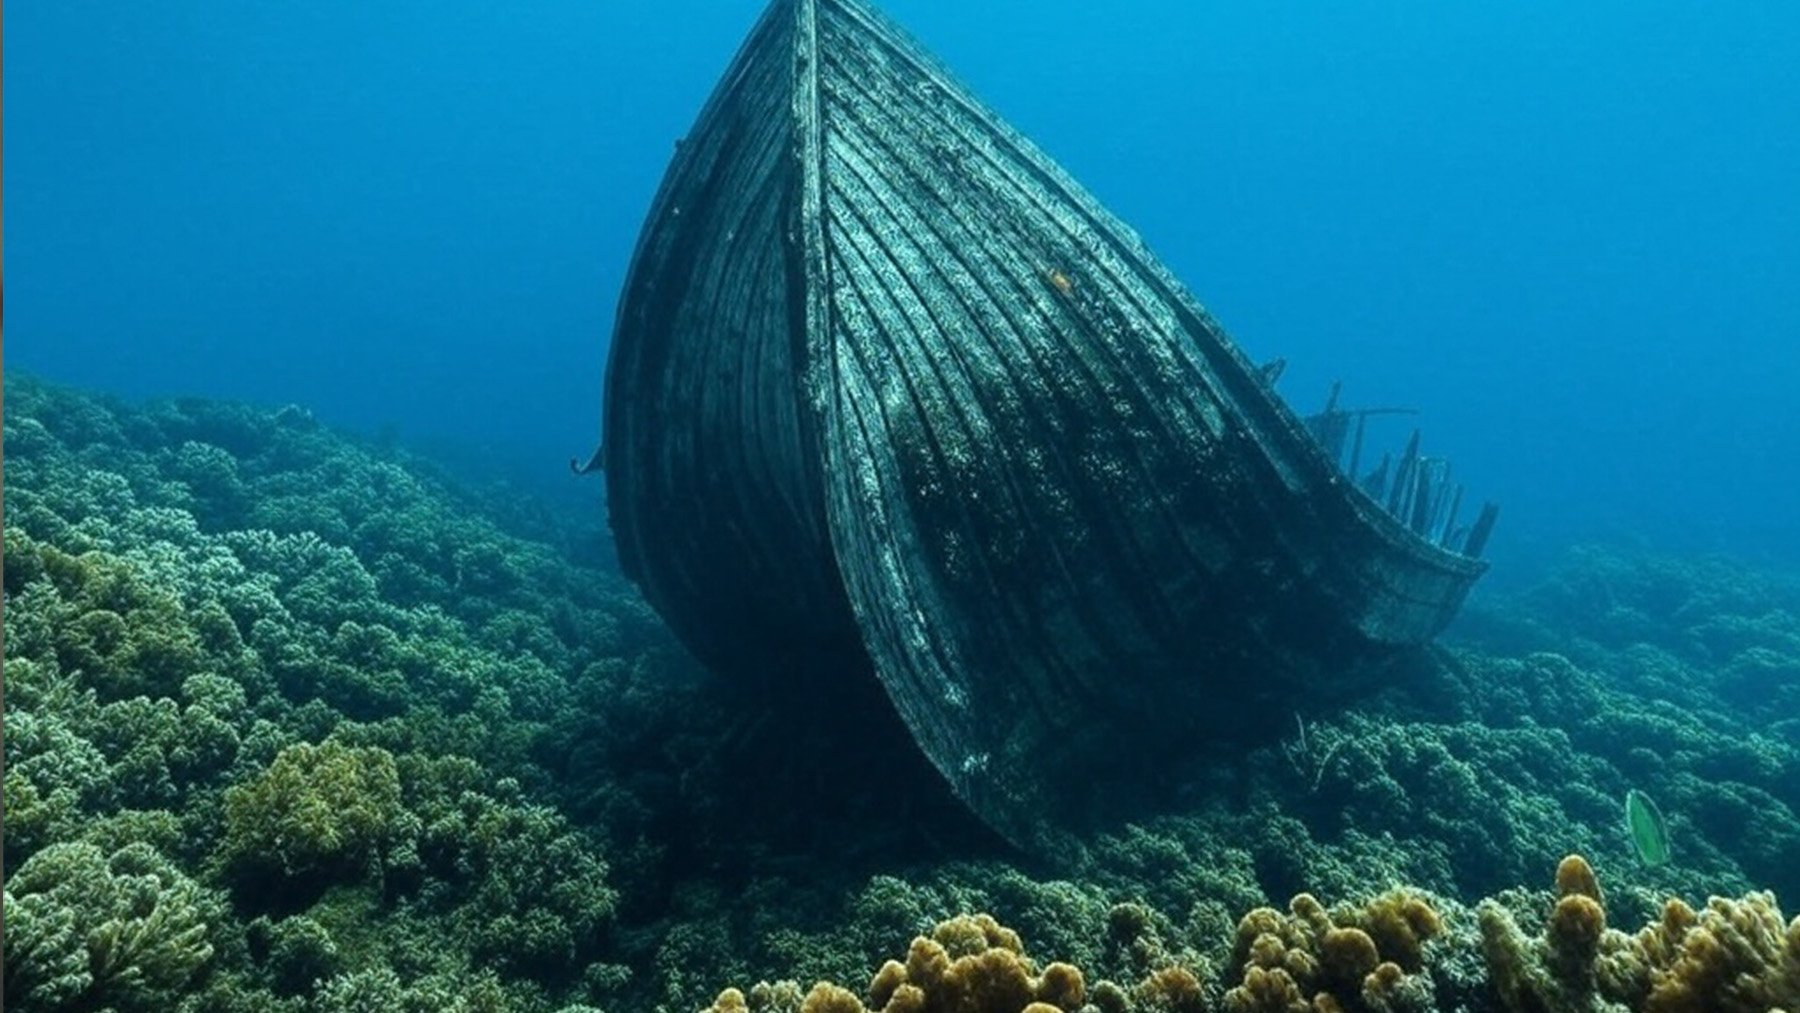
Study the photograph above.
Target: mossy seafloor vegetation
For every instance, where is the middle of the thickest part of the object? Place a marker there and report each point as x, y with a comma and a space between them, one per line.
299, 723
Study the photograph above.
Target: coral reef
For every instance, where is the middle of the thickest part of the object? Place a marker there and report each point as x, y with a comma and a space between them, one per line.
272, 704
301, 724
91, 930
1734, 956
967, 964
313, 807
1333, 960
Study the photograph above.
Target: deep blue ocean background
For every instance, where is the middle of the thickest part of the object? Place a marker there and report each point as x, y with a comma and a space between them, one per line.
1568, 234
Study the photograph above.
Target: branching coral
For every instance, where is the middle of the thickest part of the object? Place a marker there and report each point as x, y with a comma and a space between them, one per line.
325, 808
1355, 957
301, 952
46, 957
100, 617
968, 964
538, 889
1734, 956
202, 656
85, 929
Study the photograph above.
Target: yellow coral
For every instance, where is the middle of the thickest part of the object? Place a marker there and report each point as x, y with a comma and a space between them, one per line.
969, 934
1575, 961
1172, 989
992, 981
1310, 913
766, 997
1347, 955
1061, 985
926, 963
1329, 954
1733, 956
1736, 956
1573, 936
1257, 923
968, 964
887, 981
1575, 876
1384, 979
1389, 989
1401, 923
906, 999
828, 998
1266, 991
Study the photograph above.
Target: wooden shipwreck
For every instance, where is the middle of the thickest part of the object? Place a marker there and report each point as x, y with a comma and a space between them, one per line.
890, 396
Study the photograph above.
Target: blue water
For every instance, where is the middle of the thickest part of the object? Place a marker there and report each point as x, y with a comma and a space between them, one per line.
1569, 234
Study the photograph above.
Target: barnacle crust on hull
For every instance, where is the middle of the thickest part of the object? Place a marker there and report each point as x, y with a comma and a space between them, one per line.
888, 390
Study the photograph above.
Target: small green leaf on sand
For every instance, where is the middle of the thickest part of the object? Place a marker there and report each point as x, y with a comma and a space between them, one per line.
1644, 822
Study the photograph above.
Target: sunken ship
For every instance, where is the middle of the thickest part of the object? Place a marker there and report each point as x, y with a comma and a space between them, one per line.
891, 397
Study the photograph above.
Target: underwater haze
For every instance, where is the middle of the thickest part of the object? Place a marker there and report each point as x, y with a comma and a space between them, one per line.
325, 690
1566, 234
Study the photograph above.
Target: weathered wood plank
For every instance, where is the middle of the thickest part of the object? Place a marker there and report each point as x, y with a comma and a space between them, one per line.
889, 390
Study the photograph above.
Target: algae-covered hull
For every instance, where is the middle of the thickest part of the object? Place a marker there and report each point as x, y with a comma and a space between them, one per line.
889, 390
